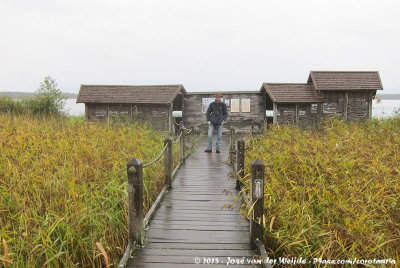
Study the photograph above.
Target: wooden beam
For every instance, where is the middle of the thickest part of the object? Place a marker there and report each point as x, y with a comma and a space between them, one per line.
170, 122
257, 201
168, 163
275, 111
240, 163
135, 203
86, 111
346, 102
370, 106
108, 110
131, 112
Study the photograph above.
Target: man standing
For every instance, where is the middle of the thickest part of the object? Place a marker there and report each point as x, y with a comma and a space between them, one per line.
216, 115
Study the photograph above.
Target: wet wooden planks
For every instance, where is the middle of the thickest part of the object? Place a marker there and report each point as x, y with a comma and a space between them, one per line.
199, 219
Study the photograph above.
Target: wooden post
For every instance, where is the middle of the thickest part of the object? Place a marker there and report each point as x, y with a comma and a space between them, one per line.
240, 162
168, 163
182, 142
108, 111
252, 129
191, 137
135, 205
171, 126
232, 139
371, 95
346, 104
232, 146
257, 198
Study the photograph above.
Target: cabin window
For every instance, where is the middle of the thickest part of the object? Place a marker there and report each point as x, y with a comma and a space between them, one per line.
227, 103
314, 108
245, 105
235, 105
100, 113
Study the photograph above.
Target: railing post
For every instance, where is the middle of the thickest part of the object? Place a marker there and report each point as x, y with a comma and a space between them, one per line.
232, 146
240, 162
135, 192
257, 198
168, 162
191, 137
182, 144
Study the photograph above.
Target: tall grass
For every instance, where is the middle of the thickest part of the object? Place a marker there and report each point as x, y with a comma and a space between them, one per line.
331, 193
63, 189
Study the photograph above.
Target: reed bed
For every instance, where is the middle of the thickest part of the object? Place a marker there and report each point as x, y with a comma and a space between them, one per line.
333, 192
63, 189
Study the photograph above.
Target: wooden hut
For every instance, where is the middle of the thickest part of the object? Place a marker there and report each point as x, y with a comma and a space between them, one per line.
153, 104
292, 103
347, 95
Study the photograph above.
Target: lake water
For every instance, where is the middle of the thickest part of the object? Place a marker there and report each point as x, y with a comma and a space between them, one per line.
73, 108
384, 108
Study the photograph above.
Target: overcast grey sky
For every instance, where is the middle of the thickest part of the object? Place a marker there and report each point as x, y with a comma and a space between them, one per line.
204, 45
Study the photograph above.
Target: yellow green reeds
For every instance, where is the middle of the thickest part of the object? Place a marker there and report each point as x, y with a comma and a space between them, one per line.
332, 192
63, 189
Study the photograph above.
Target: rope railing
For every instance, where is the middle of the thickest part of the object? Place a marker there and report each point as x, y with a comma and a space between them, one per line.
190, 130
175, 121
257, 182
178, 138
182, 126
157, 158
135, 167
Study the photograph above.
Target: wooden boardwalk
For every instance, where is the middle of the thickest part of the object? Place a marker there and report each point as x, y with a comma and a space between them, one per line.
191, 224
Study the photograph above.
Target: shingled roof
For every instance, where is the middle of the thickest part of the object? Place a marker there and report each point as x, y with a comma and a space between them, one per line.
160, 94
292, 93
323, 80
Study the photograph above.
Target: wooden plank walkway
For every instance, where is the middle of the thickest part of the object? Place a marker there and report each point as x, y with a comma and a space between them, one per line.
191, 224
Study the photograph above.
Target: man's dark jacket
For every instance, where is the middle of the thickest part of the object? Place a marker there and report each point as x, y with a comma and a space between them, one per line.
217, 113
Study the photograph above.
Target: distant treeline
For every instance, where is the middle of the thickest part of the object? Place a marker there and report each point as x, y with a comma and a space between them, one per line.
388, 96
19, 95
47, 100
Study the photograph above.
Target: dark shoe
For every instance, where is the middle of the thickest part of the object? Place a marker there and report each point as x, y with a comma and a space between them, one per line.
208, 151
217, 151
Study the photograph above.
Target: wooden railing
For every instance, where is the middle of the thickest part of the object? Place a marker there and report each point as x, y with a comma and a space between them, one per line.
254, 202
137, 222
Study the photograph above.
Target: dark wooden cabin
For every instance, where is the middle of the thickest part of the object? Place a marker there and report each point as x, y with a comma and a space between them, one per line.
152, 104
296, 104
346, 95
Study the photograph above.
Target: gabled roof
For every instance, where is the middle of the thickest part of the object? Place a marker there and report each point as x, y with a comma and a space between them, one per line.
224, 92
292, 93
323, 80
160, 94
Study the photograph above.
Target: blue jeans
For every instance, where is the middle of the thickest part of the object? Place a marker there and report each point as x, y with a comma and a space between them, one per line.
211, 129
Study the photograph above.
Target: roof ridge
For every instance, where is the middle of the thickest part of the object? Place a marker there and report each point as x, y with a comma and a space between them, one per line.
345, 71
287, 83
169, 85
